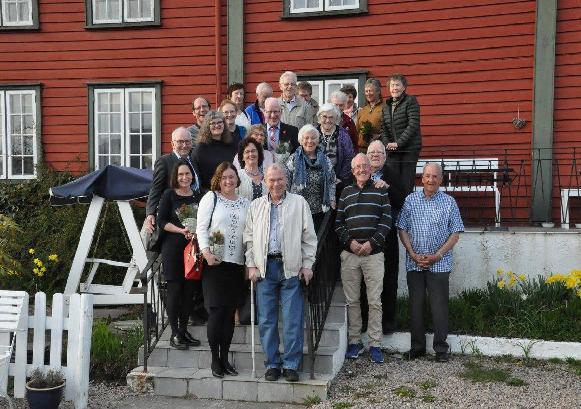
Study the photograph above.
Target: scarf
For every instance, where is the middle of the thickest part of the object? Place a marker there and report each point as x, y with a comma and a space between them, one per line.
302, 161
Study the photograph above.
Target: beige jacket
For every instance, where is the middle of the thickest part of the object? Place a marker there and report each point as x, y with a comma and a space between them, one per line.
299, 241
299, 115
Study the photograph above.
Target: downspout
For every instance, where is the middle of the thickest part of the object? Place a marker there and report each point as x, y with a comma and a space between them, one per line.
218, 49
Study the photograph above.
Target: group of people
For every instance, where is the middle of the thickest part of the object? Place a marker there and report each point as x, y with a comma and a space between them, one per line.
263, 177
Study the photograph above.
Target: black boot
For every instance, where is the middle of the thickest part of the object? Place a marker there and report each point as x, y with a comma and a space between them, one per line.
216, 366
228, 368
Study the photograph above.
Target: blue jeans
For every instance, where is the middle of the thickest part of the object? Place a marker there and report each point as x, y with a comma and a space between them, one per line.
271, 291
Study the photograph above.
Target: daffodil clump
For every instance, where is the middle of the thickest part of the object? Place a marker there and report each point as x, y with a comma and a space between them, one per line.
40, 267
509, 280
572, 281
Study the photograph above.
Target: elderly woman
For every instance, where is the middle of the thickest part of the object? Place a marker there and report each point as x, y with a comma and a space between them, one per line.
174, 240
335, 141
214, 146
400, 130
228, 108
258, 133
310, 174
236, 94
222, 210
369, 116
251, 173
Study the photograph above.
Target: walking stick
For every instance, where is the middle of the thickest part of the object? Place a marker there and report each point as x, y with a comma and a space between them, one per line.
252, 327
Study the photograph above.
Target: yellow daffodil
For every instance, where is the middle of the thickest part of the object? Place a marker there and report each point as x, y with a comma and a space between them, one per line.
522, 277
570, 282
53, 257
500, 284
43, 269
500, 271
37, 262
511, 282
30, 251
36, 271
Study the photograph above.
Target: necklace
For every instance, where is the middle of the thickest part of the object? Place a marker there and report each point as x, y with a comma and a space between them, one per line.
253, 174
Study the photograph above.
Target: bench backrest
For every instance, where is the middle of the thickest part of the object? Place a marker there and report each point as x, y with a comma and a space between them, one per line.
10, 309
464, 164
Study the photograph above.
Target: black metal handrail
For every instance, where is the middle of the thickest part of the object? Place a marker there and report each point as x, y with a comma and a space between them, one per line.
154, 305
319, 292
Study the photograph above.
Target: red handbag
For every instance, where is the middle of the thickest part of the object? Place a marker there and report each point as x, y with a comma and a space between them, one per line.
193, 261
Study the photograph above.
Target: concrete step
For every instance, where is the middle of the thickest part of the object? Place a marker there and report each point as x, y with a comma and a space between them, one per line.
243, 334
192, 383
328, 360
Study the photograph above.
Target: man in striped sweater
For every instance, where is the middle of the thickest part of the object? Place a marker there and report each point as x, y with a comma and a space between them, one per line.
363, 221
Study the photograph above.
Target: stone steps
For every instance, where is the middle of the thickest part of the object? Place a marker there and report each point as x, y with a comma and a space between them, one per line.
200, 384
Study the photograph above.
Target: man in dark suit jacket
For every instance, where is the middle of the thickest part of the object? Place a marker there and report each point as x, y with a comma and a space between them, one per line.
276, 131
181, 143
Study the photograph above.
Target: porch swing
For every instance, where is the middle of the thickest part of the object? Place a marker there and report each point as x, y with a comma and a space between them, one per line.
110, 186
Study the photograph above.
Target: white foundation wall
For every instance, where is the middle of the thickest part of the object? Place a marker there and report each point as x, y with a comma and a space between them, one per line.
479, 254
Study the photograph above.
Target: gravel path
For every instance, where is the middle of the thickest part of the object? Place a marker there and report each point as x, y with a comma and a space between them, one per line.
362, 384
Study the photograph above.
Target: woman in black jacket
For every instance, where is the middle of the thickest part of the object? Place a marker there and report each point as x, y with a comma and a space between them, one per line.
400, 130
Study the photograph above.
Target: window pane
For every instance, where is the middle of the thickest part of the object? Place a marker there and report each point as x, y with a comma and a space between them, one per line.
16, 145
15, 104
113, 10
28, 165
28, 124
115, 102
134, 123
134, 101
23, 11
103, 161
146, 144
146, 123
28, 145
146, 101
16, 166
27, 103
103, 102
103, 144
12, 13
15, 124
115, 123
116, 160
100, 9
134, 145
147, 162
103, 123
135, 162
116, 143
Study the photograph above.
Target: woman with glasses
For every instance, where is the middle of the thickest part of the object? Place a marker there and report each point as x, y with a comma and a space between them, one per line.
258, 133
214, 146
228, 108
251, 171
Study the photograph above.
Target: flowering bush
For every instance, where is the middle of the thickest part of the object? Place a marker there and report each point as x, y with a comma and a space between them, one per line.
571, 281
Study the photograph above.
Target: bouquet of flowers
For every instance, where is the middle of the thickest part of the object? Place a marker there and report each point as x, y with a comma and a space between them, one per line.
366, 130
217, 244
282, 152
188, 216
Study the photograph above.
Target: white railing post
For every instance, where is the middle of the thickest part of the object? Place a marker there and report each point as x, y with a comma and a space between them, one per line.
82, 366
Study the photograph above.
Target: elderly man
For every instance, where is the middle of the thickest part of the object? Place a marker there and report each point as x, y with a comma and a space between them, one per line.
280, 251
181, 143
340, 99
255, 111
429, 225
295, 111
363, 222
278, 132
200, 107
384, 176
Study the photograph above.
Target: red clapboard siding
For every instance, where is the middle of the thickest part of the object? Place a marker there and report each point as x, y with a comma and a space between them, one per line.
470, 63
64, 56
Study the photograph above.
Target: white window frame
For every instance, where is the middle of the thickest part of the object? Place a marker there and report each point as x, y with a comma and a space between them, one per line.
123, 14
325, 84
6, 139
324, 5
318, 97
124, 93
19, 23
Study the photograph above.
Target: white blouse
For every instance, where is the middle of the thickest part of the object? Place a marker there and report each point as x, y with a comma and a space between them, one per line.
245, 189
229, 218
242, 120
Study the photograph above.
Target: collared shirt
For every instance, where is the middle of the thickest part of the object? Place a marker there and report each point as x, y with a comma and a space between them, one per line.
273, 136
377, 175
290, 104
274, 244
195, 182
429, 221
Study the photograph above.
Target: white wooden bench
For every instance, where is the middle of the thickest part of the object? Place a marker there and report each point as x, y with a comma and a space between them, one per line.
468, 166
565, 195
11, 316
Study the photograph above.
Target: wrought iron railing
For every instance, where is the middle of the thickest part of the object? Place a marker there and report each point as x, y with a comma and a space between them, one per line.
154, 305
319, 292
511, 186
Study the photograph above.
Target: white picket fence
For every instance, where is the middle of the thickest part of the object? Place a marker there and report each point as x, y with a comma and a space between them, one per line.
74, 317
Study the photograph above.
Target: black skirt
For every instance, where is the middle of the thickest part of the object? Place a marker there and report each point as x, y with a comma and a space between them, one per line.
223, 285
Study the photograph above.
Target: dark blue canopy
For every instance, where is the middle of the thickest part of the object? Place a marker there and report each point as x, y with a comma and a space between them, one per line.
112, 182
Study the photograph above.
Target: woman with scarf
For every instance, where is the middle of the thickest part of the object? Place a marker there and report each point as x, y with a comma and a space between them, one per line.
311, 174
400, 130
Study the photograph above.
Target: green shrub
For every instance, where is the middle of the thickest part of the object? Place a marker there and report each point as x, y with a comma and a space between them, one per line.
113, 356
53, 230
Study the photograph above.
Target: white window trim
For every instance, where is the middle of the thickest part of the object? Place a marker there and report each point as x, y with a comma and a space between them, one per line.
3, 154
125, 141
138, 20
329, 81
107, 21
320, 96
295, 10
7, 140
328, 6
21, 23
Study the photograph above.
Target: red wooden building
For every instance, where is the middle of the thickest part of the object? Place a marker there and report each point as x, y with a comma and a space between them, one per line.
84, 83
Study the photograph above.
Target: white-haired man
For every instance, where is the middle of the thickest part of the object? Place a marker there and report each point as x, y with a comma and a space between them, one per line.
280, 251
255, 111
295, 111
277, 131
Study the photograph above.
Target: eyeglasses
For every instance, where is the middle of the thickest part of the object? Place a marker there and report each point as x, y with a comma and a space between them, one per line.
216, 124
375, 153
363, 166
289, 84
201, 107
272, 112
247, 151
183, 142
327, 118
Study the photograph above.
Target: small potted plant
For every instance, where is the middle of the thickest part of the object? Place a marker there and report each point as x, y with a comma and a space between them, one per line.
217, 244
188, 215
44, 390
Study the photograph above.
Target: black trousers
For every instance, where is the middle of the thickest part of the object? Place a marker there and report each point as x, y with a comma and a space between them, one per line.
220, 329
437, 287
404, 163
179, 304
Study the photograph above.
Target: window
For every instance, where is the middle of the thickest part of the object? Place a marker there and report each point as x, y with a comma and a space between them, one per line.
124, 125
325, 84
19, 110
120, 13
18, 14
305, 8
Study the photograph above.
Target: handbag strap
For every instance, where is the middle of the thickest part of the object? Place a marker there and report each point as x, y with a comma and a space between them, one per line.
213, 208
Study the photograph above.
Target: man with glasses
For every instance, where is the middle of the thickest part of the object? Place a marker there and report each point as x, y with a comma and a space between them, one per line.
200, 108
278, 132
295, 111
363, 222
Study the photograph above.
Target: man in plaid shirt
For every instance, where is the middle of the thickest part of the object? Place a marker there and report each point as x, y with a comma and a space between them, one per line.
429, 225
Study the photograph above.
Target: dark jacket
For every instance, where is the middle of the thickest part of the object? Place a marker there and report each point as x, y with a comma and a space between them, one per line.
288, 133
397, 190
161, 175
403, 125
345, 153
